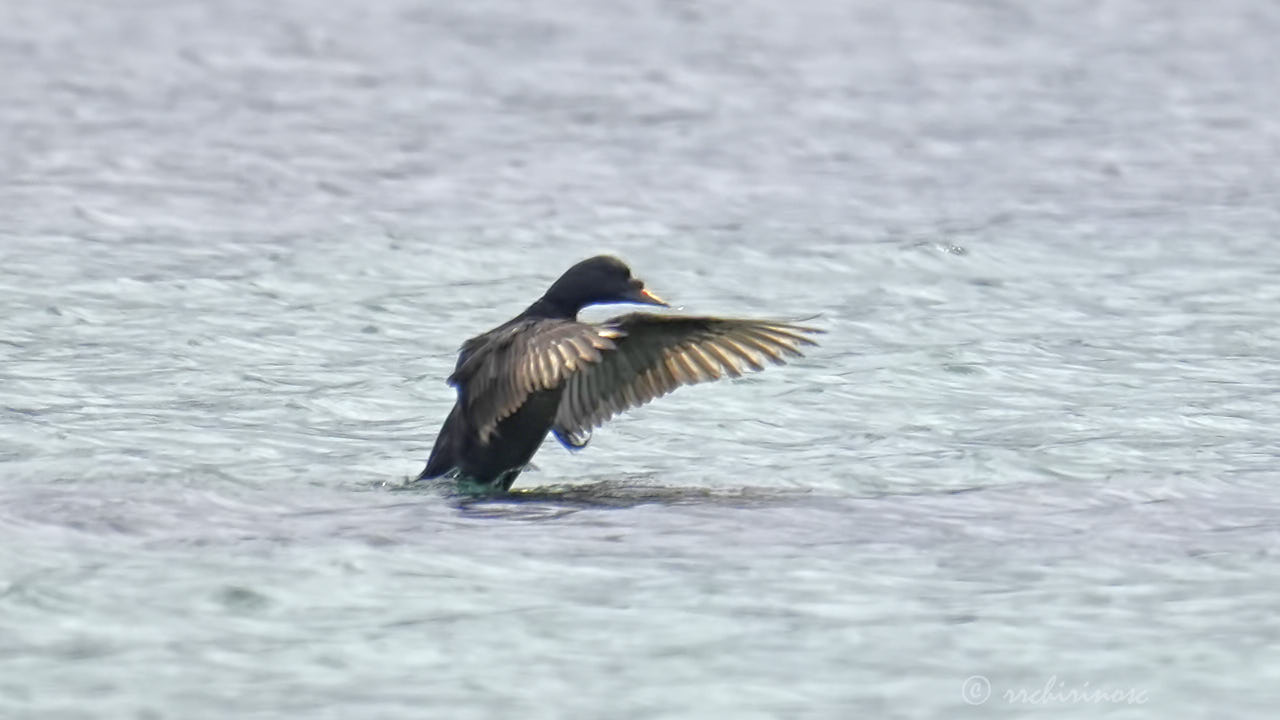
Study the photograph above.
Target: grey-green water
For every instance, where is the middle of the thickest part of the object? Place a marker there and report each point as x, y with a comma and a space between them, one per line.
1034, 457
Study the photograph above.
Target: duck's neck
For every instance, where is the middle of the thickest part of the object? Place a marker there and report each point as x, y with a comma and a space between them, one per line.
548, 307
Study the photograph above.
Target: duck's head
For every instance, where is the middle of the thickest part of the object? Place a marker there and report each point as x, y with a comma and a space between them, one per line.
595, 281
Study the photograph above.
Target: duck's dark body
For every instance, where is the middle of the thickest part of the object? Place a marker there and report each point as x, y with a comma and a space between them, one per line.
498, 463
544, 371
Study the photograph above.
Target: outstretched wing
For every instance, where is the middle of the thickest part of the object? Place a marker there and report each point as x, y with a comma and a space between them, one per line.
655, 354
498, 371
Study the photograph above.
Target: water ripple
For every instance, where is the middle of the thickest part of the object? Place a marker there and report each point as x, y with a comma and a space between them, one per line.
242, 243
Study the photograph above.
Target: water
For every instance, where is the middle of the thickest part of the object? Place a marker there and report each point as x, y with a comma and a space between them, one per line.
241, 241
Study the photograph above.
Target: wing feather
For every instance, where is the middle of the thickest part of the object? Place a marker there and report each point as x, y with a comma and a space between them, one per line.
498, 371
721, 356
655, 354
710, 370
741, 350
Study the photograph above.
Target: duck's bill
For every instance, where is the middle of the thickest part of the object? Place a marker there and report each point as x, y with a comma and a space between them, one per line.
647, 297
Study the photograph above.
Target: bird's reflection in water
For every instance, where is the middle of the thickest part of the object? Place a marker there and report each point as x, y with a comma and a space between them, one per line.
557, 500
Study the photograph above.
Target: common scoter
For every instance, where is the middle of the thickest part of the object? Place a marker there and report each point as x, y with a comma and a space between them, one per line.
545, 371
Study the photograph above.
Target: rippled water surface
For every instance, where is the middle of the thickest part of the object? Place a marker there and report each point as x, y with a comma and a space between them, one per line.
1033, 460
